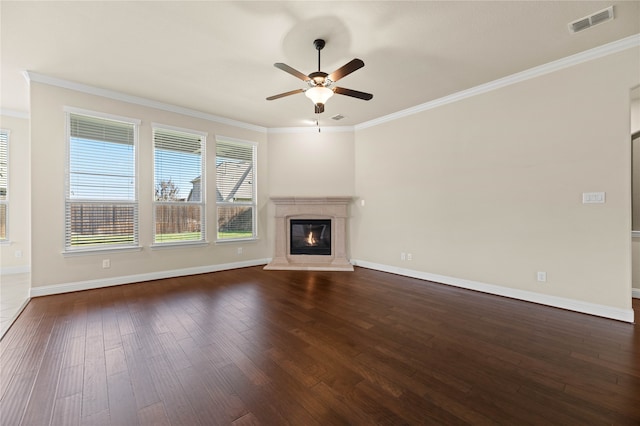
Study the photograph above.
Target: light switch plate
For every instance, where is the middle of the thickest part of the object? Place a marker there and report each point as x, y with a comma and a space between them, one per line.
593, 198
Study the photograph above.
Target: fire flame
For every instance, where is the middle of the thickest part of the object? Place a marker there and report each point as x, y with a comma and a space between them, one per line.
310, 240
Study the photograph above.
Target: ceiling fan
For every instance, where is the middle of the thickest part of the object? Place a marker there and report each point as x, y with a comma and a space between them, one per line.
320, 83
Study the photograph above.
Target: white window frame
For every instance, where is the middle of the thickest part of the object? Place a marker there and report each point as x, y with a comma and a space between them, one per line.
202, 203
5, 202
253, 203
134, 245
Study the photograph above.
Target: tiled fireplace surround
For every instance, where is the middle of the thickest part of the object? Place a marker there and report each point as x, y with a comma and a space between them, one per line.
333, 208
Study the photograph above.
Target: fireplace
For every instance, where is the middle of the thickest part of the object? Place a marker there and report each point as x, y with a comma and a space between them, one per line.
310, 236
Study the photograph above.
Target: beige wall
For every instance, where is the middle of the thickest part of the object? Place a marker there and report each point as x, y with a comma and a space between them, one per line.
311, 163
15, 255
49, 266
489, 188
486, 189
635, 110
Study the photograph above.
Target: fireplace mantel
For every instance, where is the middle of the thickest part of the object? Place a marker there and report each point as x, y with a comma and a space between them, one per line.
282, 201
333, 208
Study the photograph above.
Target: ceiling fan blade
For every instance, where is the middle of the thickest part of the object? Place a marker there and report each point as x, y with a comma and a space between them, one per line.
294, 72
346, 69
353, 93
282, 95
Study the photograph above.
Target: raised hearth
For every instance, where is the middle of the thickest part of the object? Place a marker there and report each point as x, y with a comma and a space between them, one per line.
311, 212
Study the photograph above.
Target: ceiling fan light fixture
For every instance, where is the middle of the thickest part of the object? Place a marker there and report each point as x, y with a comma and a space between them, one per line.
318, 94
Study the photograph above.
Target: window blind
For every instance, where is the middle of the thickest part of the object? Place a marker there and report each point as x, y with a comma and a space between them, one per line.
101, 129
235, 189
101, 200
179, 185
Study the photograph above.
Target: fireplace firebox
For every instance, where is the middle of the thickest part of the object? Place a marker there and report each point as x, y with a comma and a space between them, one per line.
310, 236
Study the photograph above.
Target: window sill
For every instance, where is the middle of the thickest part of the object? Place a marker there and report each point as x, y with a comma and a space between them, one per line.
635, 234
237, 240
84, 252
162, 246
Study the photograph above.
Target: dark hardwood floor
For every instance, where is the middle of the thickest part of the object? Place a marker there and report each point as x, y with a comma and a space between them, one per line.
250, 346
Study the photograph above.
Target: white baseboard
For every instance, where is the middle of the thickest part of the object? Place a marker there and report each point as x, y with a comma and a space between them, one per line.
129, 279
529, 296
12, 270
635, 293
558, 302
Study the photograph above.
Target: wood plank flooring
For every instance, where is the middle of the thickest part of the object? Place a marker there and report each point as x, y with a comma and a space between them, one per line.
248, 346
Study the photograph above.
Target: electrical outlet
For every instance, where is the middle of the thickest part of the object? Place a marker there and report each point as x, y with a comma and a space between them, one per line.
409, 256
106, 263
403, 256
542, 277
239, 251
18, 253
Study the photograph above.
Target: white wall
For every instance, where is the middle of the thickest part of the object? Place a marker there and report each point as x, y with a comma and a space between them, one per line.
50, 267
488, 189
16, 254
635, 127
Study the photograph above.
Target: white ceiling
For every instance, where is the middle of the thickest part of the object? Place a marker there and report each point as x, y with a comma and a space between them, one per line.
217, 57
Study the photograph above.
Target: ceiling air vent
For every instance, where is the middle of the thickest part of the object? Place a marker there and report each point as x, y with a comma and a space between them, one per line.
591, 20
337, 117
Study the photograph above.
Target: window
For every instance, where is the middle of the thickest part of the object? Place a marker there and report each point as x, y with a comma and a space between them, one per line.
178, 158
101, 207
4, 185
235, 189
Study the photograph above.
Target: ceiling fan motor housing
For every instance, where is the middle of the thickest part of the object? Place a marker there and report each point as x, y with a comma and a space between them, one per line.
319, 78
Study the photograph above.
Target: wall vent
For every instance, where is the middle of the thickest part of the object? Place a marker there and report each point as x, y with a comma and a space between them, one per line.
591, 20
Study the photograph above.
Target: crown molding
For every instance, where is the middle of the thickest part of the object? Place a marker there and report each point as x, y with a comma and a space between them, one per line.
111, 94
579, 58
